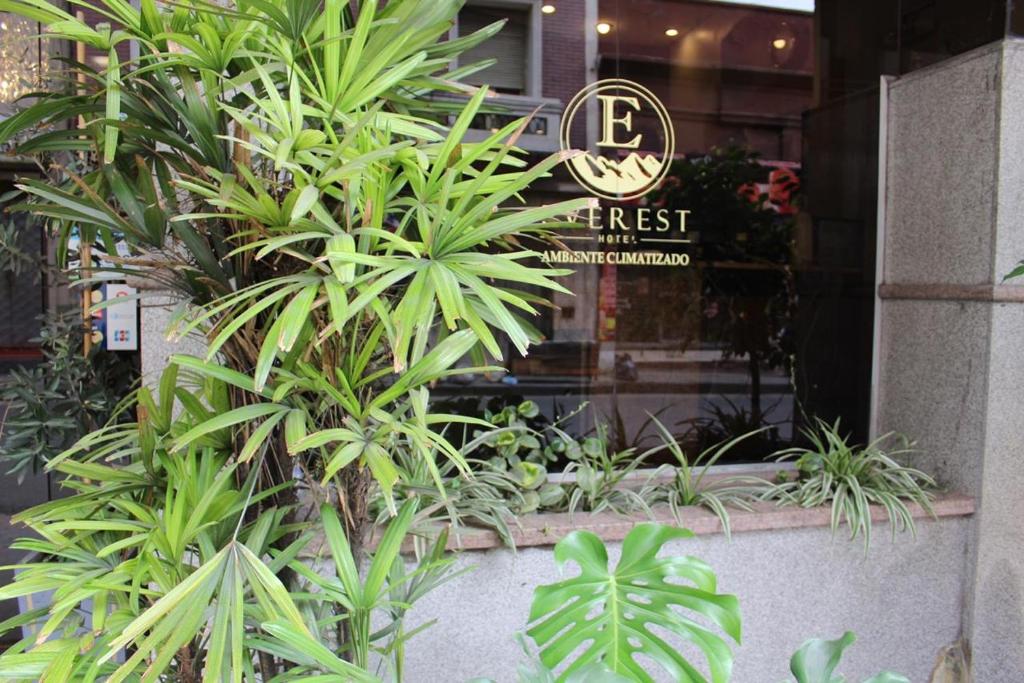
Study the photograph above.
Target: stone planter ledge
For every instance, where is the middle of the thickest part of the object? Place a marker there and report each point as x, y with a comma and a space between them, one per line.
546, 529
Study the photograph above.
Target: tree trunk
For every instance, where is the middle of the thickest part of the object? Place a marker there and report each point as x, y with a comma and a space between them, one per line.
353, 502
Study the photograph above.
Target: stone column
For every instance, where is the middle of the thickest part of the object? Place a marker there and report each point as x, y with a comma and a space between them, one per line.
951, 356
157, 313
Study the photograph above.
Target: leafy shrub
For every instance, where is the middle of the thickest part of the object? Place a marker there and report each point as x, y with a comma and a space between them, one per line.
387, 588
525, 451
60, 399
186, 575
490, 498
288, 171
159, 543
540, 442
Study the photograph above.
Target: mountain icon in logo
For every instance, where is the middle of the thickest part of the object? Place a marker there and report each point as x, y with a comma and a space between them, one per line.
627, 176
631, 140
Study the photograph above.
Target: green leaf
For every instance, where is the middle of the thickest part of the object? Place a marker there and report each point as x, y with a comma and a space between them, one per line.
294, 318
627, 603
341, 553
258, 573
218, 372
307, 197
225, 420
294, 429
113, 103
817, 659
1015, 273
200, 583
388, 549
337, 247
259, 436
304, 648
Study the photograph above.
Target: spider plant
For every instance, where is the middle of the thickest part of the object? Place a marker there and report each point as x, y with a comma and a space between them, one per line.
688, 484
489, 498
851, 478
601, 475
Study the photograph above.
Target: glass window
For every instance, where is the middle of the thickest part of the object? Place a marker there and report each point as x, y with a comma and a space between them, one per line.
726, 282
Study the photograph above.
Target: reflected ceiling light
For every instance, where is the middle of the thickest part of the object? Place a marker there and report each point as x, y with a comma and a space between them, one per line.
548, 9
671, 32
780, 43
603, 27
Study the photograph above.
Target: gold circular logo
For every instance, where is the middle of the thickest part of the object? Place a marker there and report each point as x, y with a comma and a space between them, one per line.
626, 163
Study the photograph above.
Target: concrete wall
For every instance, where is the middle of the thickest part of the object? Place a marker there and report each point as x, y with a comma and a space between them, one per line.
903, 600
951, 367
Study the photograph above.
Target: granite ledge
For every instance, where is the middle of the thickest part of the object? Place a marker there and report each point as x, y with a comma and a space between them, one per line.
1000, 293
548, 528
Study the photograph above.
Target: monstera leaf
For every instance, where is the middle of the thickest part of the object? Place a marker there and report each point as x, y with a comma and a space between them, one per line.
534, 671
592, 673
612, 612
817, 659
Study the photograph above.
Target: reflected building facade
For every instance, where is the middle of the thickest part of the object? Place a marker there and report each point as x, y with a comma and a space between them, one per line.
714, 300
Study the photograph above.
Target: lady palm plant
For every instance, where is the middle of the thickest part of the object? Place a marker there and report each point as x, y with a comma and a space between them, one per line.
160, 567
284, 167
286, 171
151, 548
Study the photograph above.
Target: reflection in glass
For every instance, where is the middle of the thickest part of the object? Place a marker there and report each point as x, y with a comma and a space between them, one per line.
734, 292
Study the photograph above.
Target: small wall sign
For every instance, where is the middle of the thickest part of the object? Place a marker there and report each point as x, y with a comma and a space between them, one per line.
121, 318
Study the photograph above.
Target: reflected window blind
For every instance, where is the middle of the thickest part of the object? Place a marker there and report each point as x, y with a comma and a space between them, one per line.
509, 47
